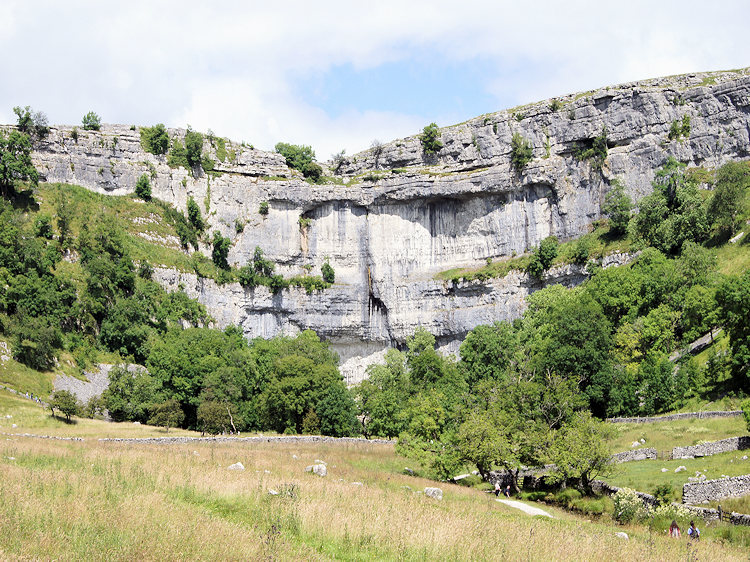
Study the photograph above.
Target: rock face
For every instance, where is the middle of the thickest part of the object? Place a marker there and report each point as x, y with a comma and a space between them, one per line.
401, 216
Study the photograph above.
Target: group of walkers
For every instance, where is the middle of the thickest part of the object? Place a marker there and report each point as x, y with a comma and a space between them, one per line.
674, 531
499, 489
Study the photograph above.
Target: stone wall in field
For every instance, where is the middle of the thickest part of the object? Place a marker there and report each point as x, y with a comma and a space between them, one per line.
634, 455
682, 416
714, 490
713, 448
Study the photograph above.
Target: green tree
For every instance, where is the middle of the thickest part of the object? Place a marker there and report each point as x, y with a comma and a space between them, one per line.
194, 215
220, 250
155, 139
193, 147
213, 417
726, 203
490, 352
733, 298
521, 152
580, 450
337, 412
143, 188
92, 122
300, 158
382, 397
25, 122
65, 402
543, 256
617, 206
430, 139
130, 394
167, 414
329, 275
15, 162
746, 412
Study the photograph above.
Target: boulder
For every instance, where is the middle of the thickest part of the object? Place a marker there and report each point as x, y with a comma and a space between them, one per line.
435, 493
665, 470
236, 466
622, 535
319, 469
680, 469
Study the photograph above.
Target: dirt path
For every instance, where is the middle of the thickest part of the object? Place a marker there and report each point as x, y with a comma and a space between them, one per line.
531, 510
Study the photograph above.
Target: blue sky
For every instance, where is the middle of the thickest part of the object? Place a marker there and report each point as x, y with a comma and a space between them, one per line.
339, 74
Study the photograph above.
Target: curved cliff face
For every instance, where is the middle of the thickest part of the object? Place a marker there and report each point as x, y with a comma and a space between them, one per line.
387, 233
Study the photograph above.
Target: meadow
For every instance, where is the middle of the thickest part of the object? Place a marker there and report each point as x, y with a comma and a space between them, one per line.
72, 500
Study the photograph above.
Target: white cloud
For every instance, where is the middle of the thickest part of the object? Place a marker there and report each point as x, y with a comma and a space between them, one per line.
230, 66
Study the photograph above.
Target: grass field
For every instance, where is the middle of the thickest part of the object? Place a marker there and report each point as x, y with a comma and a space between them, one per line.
121, 501
663, 436
647, 475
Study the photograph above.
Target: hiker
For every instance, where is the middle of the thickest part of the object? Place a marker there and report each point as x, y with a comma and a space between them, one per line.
674, 530
693, 532
497, 488
507, 491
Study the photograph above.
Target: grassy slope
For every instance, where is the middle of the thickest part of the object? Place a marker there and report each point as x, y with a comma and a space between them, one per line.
663, 436
92, 500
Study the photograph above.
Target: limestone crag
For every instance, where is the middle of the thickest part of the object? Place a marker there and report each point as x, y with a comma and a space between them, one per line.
401, 216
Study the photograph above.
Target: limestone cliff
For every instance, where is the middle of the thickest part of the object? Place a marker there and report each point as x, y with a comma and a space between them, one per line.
401, 216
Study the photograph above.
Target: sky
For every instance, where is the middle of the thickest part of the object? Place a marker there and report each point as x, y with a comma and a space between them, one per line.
338, 75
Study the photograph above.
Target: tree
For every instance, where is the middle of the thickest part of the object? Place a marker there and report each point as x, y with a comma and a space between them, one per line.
143, 188
220, 250
617, 206
542, 257
489, 352
733, 298
92, 122
300, 158
213, 417
193, 147
194, 215
725, 206
521, 152
155, 139
15, 162
25, 121
430, 139
329, 275
580, 450
130, 394
167, 414
65, 402
336, 412
746, 412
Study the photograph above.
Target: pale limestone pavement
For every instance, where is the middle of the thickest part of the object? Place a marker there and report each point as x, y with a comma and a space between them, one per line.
529, 509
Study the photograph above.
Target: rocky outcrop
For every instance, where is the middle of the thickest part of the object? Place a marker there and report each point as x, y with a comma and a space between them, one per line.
395, 217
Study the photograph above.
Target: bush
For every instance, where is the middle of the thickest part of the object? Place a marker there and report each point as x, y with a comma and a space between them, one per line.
155, 139
520, 152
617, 206
91, 122
193, 147
263, 208
300, 158
594, 150
194, 215
143, 188
628, 506
430, 139
220, 250
329, 275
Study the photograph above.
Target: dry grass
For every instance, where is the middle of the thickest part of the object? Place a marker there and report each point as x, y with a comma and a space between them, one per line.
96, 501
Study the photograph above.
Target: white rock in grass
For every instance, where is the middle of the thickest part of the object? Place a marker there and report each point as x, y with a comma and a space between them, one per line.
435, 493
680, 469
621, 535
642, 440
272, 492
665, 470
236, 466
635, 444
357, 484
318, 461
195, 453
408, 470
294, 456
319, 469
744, 458
136, 423
14, 426
8, 416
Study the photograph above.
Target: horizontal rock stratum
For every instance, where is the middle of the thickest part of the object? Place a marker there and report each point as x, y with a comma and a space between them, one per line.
387, 234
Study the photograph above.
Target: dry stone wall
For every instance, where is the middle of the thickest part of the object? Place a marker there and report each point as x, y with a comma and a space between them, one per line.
714, 490
713, 448
634, 455
675, 417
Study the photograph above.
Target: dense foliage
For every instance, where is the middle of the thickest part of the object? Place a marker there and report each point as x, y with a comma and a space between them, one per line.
155, 139
430, 139
302, 158
521, 152
91, 121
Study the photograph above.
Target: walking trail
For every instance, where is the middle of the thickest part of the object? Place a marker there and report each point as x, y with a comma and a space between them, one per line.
531, 510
